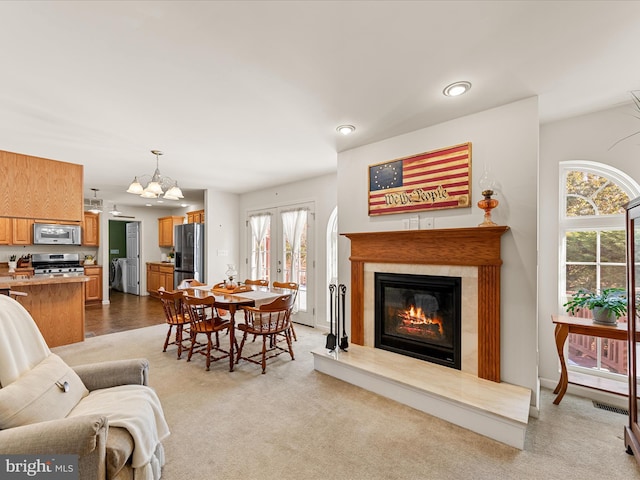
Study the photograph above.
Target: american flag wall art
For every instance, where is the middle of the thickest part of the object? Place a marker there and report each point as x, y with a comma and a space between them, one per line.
427, 181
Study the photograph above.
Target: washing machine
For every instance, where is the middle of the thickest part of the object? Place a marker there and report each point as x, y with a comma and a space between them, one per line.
119, 279
122, 268
112, 272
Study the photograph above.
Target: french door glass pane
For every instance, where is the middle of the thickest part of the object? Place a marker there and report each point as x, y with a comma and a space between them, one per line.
260, 247
294, 225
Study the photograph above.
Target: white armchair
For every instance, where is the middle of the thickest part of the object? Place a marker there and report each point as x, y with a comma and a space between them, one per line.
105, 413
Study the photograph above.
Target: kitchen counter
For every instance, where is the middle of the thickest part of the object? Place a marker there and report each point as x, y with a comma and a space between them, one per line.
56, 303
10, 282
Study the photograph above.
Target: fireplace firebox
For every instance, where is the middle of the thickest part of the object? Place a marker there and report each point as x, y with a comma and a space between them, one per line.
419, 316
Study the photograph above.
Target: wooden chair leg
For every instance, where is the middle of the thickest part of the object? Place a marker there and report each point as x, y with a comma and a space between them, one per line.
166, 342
179, 340
293, 331
239, 349
288, 337
264, 353
193, 342
209, 344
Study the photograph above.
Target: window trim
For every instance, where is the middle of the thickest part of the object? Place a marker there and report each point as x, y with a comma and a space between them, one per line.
596, 223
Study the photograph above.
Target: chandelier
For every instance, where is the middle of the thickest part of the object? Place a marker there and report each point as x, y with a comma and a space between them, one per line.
157, 184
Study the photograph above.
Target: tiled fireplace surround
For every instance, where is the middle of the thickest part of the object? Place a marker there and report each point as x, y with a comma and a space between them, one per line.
472, 398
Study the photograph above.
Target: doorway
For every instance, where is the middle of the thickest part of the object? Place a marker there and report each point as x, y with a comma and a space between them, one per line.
124, 256
281, 249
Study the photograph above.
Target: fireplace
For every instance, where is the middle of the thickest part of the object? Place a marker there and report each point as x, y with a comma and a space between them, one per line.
475, 248
419, 316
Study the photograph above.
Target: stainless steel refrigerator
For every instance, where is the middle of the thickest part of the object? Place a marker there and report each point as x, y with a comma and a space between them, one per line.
189, 247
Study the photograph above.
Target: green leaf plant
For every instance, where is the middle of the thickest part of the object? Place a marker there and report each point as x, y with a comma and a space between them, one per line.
612, 299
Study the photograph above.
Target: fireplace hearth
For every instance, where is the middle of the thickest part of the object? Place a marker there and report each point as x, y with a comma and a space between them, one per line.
419, 316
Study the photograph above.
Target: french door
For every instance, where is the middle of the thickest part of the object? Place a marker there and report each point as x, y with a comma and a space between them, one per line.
280, 248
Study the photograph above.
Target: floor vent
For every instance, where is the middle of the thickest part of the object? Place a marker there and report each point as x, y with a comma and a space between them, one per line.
611, 408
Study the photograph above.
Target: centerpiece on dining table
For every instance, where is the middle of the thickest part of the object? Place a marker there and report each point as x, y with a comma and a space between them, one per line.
231, 273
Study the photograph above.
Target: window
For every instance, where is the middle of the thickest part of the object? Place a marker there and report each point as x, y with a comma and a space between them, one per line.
592, 242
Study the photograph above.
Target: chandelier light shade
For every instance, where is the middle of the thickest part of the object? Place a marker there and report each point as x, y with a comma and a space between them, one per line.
157, 185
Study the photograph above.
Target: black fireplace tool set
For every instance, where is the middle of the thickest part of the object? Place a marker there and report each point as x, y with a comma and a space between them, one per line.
336, 306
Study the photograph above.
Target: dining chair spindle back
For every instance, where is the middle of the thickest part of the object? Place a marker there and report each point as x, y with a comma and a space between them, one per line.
291, 286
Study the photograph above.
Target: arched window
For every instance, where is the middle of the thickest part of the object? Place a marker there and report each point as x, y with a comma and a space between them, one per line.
592, 251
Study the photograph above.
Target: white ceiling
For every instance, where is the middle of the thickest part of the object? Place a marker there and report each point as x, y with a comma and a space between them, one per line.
244, 95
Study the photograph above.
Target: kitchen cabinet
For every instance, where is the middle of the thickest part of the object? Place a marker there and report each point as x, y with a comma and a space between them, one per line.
159, 275
5, 231
165, 230
22, 231
35, 187
91, 229
16, 231
197, 216
93, 288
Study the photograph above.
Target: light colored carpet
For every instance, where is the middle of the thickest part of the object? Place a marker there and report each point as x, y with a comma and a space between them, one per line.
296, 423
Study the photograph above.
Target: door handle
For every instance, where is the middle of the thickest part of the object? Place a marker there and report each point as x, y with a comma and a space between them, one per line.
279, 270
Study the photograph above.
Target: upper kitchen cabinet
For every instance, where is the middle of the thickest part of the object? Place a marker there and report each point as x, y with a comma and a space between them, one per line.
91, 229
16, 231
197, 216
165, 230
39, 188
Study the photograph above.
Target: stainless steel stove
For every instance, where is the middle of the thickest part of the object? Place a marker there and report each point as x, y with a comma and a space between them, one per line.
67, 264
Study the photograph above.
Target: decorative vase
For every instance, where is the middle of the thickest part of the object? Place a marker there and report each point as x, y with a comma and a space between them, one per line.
12, 266
604, 316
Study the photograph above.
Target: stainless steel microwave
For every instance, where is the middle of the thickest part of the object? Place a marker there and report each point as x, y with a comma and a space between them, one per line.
54, 234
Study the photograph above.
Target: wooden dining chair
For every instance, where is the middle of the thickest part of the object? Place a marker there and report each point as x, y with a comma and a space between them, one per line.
267, 321
259, 283
205, 320
175, 317
291, 286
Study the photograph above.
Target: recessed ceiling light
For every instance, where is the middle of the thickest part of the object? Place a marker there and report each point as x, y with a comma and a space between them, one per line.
346, 129
457, 88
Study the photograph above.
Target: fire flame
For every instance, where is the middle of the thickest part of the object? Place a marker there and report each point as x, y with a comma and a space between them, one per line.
415, 316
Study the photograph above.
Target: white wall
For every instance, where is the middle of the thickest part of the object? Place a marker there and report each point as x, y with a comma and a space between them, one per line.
587, 137
505, 139
222, 227
320, 190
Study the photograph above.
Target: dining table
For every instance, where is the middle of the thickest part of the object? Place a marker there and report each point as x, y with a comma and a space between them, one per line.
232, 299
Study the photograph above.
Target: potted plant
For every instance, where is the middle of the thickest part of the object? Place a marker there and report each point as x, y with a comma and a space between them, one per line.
606, 306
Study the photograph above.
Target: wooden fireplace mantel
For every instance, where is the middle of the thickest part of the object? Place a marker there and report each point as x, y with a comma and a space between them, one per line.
475, 246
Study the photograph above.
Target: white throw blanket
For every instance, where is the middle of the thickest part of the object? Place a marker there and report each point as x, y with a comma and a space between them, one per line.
138, 409
21, 344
